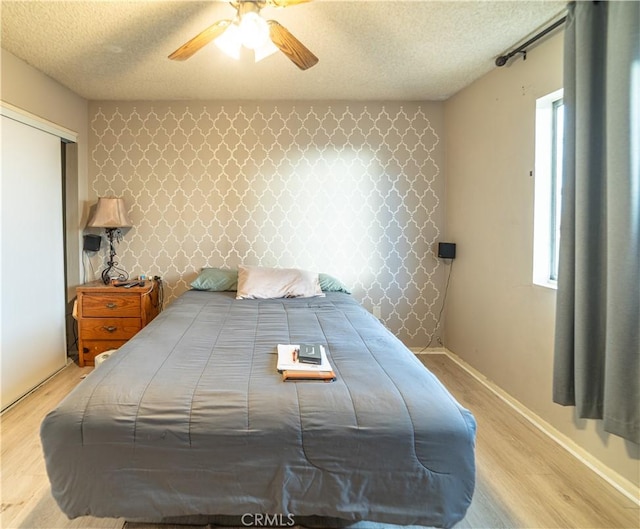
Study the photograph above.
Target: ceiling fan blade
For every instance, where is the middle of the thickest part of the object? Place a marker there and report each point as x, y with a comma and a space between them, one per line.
291, 46
202, 39
286, 3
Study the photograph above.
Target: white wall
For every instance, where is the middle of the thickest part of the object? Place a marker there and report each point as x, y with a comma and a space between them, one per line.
29, 89
496, 320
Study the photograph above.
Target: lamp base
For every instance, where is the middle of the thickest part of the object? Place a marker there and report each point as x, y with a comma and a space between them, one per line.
106, 278
112, 271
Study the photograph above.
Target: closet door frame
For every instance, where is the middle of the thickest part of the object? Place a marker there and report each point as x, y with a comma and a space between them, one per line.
32, 307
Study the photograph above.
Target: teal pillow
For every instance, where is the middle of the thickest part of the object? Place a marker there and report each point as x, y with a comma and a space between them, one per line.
331, 284
216, 280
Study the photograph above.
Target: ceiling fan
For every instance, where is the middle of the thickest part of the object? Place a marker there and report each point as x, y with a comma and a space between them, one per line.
250, 30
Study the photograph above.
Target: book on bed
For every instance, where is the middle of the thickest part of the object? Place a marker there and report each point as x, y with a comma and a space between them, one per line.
327, 376
310, 353
293, 368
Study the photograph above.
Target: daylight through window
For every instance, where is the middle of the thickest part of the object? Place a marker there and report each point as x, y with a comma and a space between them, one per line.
548, 185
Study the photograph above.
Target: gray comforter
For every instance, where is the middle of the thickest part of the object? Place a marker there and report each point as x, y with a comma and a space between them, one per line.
190, 417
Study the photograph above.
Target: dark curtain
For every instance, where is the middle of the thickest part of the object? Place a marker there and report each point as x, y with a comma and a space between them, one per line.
597, 343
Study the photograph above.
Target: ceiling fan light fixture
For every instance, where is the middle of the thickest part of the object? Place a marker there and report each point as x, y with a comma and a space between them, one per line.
230, 41
254, 30
248, 29
264, 51
251, 31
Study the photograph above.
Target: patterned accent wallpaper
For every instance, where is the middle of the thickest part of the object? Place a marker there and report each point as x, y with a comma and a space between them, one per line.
351, 189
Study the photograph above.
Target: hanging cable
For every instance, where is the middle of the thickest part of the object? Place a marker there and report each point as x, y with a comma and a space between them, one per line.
444, 300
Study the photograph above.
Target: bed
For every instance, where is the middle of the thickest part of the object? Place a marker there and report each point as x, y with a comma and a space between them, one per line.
190, 418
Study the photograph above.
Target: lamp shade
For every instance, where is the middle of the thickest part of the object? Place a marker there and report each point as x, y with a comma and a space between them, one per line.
110, 212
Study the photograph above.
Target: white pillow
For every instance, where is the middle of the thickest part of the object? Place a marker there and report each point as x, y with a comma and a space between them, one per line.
255, 282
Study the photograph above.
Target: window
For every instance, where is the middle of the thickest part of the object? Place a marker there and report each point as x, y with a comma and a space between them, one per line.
557, 135
548, 185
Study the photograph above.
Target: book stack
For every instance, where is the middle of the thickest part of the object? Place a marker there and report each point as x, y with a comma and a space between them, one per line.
304, 362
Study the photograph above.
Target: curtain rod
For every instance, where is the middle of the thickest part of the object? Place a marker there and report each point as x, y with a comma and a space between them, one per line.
502, 60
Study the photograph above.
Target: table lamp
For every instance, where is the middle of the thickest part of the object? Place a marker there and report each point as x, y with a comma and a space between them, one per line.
111, 214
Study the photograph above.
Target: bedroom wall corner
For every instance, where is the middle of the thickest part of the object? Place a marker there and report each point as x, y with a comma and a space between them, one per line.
353, 189
497, 320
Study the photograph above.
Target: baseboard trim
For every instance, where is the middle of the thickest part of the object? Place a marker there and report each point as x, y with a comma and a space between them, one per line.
620, 483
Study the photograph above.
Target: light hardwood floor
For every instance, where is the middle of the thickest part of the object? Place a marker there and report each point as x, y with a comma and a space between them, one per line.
524, 479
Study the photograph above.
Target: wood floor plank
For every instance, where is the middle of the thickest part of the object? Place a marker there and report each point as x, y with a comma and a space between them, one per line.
524, 479
26, 496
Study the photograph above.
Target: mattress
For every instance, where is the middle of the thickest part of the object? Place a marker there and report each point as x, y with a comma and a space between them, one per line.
191, 417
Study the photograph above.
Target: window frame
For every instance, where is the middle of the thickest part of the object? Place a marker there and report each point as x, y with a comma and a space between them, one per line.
548, 180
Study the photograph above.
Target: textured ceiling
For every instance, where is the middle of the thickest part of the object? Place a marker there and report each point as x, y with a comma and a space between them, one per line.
368, 50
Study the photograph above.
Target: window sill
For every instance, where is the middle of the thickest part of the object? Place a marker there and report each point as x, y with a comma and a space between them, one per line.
552, 285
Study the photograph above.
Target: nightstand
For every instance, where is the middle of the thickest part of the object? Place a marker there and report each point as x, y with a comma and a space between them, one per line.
108, 316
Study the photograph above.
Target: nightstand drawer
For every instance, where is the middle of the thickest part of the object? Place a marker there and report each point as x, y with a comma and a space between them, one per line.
101, 305
108, 315
109, 328
92, 348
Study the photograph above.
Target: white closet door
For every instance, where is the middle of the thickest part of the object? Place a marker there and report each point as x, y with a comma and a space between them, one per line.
32, 319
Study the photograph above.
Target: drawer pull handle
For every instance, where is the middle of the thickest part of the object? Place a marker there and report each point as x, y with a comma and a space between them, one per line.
111, 328
111, 305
